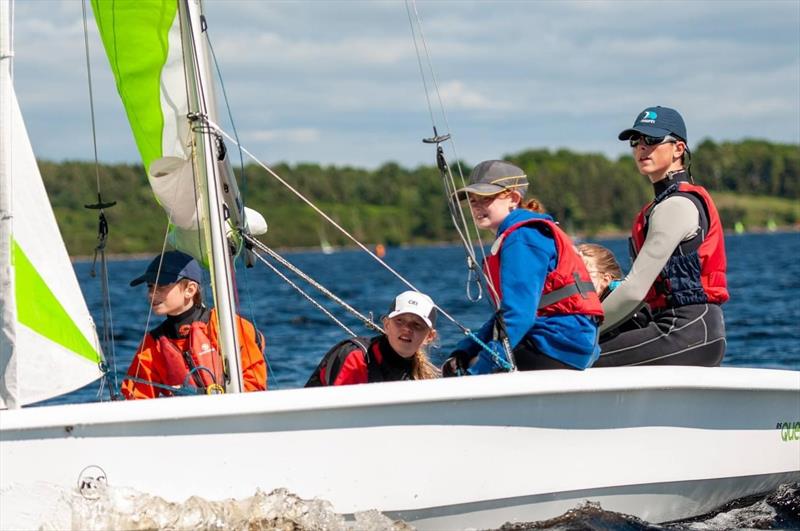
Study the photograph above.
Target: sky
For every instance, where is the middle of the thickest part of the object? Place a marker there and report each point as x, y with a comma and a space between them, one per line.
337, 82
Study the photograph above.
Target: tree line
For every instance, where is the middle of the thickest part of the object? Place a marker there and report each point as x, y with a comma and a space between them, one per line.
753, 181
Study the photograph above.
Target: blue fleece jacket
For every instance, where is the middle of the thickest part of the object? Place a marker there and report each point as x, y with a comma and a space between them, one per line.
527, 256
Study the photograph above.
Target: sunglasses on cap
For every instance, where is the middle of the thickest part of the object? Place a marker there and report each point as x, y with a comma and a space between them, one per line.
652, 140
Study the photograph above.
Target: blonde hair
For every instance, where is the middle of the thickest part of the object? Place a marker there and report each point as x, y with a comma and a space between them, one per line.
422, 368
604, 259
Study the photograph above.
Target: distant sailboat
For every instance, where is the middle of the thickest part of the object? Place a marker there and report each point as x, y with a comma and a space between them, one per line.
325, 245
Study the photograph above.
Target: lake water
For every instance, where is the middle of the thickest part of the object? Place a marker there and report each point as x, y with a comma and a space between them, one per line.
762, 317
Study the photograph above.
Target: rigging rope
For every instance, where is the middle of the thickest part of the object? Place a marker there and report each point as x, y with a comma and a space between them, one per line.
460, 220
325, 291
248, 262
466, 331
102, 236
475, 273
215, 129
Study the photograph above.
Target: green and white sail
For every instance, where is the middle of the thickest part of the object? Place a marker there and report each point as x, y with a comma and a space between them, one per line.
48, 346
143, 42
161, 63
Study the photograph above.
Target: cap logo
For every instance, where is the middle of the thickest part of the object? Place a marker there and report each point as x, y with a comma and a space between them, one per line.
413, 302
648, 117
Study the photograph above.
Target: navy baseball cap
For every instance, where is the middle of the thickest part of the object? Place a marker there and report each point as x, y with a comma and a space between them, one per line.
491, 177
174, 266
657, 122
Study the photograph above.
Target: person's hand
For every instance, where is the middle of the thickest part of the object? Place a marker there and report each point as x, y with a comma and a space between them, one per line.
488, 363
456, 364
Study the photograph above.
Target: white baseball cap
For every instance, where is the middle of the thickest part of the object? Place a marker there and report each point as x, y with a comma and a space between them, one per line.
414, 302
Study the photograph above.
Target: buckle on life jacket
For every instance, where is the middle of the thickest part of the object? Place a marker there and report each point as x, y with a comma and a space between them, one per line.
215, 389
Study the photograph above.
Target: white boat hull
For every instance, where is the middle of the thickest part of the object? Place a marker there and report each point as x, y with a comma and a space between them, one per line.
660, 443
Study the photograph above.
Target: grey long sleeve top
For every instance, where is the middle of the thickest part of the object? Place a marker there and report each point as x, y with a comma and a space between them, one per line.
671, 222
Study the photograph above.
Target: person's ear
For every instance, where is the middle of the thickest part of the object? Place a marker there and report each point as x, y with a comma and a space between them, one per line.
516, 197
679, 149
431, 337
190, 289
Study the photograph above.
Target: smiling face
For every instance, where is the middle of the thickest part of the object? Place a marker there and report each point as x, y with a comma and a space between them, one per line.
655, 161
172, 299
407, 333
489, 211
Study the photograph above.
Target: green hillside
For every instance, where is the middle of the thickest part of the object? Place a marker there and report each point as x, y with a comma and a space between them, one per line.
755, 183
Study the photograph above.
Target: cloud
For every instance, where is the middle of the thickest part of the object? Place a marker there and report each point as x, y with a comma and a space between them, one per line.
297, 135
512, 75
456, 95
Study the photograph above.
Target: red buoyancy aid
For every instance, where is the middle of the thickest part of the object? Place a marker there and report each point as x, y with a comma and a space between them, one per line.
357, 360
568, 289
711, 253
200, 365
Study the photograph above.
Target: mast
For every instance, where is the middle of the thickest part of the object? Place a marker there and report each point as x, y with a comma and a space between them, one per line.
201, 106
8, 317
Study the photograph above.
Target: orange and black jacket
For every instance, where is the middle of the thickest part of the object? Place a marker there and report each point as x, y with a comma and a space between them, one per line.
152, 374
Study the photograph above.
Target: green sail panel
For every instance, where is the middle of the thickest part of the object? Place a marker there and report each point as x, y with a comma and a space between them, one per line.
135, 34
143, 42
39, 309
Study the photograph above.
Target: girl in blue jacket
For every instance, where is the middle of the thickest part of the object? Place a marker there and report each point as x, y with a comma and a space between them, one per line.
547, 307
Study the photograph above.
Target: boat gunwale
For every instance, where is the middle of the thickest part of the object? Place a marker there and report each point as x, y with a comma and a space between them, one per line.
536, 383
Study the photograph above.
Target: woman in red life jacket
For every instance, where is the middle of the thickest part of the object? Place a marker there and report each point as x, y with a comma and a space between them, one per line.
547, 307
180, 355
397, 354
679, 265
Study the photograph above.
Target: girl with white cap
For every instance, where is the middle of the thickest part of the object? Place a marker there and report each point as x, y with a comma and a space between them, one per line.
397, 354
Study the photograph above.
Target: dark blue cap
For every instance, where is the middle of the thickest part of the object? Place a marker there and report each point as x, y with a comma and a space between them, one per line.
657, 122
170, 267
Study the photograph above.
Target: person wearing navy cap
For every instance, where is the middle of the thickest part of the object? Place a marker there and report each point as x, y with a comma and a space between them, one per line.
180, 356
679, 263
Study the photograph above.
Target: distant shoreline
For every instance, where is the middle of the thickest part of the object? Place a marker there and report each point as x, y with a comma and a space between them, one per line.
609, 235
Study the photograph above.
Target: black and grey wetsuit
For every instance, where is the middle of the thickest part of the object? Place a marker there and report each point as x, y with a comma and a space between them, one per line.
692, 334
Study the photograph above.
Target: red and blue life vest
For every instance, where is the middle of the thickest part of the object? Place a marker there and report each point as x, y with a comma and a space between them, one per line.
695, 273
568, 289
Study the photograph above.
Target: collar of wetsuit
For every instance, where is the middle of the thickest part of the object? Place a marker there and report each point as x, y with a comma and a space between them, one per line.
391, 357
178, 325
671, 178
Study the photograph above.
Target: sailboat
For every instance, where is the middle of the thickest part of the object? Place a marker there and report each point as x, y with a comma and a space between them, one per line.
660, 443
324, 245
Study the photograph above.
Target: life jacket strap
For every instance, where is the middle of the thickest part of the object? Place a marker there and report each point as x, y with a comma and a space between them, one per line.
578, 286
332, 362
